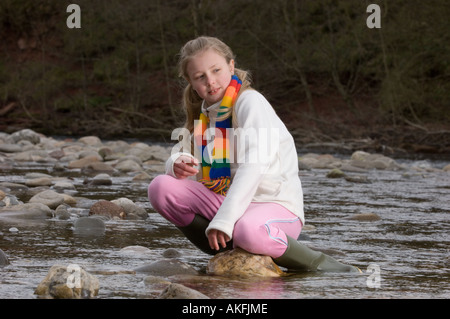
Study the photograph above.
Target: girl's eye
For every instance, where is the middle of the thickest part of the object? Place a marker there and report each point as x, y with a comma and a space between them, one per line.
216, 70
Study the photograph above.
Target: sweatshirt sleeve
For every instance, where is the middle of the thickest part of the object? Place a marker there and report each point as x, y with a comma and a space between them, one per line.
253, 112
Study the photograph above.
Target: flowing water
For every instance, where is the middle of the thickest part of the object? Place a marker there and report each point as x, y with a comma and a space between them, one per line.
404, 254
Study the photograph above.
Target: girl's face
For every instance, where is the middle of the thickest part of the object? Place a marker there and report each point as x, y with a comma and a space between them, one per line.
210, 74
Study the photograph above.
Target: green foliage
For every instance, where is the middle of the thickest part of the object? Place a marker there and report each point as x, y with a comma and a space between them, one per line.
124, 55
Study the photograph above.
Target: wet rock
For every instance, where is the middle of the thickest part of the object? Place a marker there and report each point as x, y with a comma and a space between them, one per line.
107, 209
27, 211
357, 179
319, 161
90, 140
128, 166
49, 198
68, 282
32, 156
365, 217
136, 251
155, 280
102, 179
25, 134
370, 161
9, 200
104, 152
62, 212
57, 154
96, 168
10, 148
42, 181
80, 163
335, 173
238, 262
69, 200
64, 185
167, 267
171, 253
89, 226
131, 210
3, 259
14, 188
178, 291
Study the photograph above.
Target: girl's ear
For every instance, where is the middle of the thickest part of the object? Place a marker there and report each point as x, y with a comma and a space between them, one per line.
231, 64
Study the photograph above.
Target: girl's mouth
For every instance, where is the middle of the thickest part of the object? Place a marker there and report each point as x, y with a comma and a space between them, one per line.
213, 91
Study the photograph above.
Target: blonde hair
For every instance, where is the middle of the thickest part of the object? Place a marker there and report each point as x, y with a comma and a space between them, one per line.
192, 102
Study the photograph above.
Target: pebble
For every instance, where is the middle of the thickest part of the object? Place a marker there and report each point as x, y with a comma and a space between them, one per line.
89, 226
365, 217
167, 267
178, 291
4, 261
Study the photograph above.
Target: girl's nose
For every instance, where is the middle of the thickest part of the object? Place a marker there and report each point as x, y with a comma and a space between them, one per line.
210, 80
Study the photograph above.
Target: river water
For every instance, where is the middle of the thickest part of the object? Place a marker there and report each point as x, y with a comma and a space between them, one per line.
404, 254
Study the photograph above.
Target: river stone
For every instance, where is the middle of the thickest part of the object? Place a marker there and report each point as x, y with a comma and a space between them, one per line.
68, 282
335, 173
10, 148
9, 200
131, 210
90, 140
128, 166
89, 226
14, 188
171, 253
97, 167
365, 217
238, 262
61, 212
3, 259
50, 198
135, 251
357, 179
102, 179
178, 291
167, 267
107, 209
42, 181
80, 163
27, 211
25, 134
370, 161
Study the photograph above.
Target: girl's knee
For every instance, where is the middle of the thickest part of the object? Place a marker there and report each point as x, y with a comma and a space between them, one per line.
159, 188
249, 236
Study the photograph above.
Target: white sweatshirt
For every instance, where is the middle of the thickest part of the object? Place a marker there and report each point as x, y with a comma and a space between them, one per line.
264, 169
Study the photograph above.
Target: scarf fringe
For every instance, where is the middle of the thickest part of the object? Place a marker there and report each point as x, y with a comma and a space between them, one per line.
219, 186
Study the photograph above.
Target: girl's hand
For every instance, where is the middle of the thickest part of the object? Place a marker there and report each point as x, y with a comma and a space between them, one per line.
216, 237
184, 167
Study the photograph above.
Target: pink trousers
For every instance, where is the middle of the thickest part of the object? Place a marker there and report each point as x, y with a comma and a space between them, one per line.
261, 230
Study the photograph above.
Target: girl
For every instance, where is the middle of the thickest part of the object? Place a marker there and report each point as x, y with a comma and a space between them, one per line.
238, 186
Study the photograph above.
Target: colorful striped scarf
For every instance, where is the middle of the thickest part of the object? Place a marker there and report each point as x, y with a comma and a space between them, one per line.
217, 175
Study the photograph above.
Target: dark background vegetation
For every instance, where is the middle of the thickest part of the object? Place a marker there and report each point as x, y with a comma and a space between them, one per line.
329, 76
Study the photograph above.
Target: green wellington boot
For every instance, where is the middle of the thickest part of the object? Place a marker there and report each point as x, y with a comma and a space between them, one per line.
195, 232
300, 257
